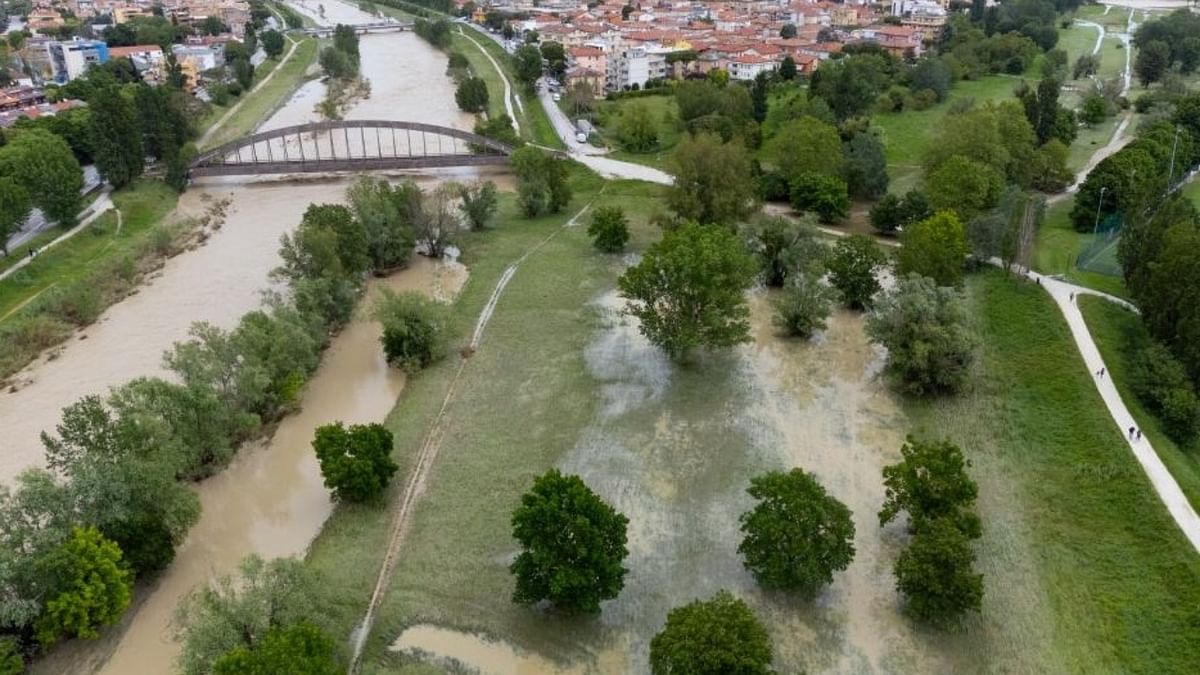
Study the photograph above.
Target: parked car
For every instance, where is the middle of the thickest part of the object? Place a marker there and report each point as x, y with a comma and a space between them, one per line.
581, 137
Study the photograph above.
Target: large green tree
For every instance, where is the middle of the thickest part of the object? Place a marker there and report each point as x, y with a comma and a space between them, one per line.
785, 248
926, 331
116, 137
637, 129
823, 195
542, 185
356, 462
936, 574
797, 535
936, 248
866, 166
472, 95
688, 291
528, 63
852, 270
1152, 62
929, 483
964, 186
573, 545
43, 164
91, 587
413, 328
386, 214
713, 181
718, 636
14, 210
272, 43
806, 145
120, 471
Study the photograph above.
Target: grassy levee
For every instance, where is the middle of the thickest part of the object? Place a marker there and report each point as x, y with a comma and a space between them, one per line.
1123, 582
71, 284
262, 102
482, 68
1057, 247
1117, 331
535, 125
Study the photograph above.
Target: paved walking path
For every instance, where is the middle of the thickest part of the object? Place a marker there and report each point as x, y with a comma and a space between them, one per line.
1065, 296
98, 208
238, 106
508, 92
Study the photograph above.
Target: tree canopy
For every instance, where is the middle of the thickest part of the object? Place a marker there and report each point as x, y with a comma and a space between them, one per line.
936, 248
929, 483
925, 329
852, 269
797, 535
356, 462
573, 545
91, 587
713, 182
718, 636
688, 291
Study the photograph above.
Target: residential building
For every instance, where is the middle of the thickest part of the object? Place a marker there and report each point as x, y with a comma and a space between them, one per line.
148, 60
70, 59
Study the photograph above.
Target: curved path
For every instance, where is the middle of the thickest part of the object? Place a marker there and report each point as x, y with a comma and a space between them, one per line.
508, 92
98, 208
232, 111
1164, 484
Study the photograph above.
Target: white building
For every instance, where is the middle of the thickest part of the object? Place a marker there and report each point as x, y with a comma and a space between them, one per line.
70, 59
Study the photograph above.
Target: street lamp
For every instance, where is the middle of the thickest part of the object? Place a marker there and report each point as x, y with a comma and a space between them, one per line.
1096, 227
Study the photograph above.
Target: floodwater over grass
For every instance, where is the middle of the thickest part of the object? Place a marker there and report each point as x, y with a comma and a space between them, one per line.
674, 448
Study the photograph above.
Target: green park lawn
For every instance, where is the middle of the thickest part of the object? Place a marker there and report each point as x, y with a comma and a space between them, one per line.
142, 205
1058, 245
1117, 331
907, 134
662, 109
263, 101
1123, 582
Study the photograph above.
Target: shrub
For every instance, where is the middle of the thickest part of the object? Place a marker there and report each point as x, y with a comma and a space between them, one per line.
356, 462
826, 196
478, 203
803, 306
852, 269
773, 187
412, 329
11, 660
609, 229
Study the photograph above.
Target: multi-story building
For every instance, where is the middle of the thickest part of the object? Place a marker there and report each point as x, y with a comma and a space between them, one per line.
70, 59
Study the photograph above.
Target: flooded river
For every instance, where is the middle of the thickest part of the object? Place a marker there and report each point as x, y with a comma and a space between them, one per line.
270, 501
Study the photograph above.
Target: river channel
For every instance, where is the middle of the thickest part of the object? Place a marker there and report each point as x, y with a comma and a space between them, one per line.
270, 500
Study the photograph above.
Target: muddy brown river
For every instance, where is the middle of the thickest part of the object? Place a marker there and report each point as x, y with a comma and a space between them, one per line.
271, 500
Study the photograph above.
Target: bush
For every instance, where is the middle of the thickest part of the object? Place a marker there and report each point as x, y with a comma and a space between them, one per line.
797, 535
478, 203
923, 100
356, 462
90, 587
852, 270
609, 229
803, 306
707, 637
11, 660
773, 187
826, 196
412, 329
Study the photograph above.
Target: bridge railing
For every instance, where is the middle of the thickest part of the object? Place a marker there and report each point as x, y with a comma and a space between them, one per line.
348, 145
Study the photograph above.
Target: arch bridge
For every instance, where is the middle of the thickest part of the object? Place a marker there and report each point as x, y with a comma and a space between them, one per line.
350, 145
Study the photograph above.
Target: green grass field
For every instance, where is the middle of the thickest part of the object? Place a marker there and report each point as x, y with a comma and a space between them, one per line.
1192, 191
143, 204
1057, 247
906, 134
259, 104
1116, 331
1123, 582
662, 109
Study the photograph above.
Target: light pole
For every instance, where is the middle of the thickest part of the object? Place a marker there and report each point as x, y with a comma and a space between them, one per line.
1096, 227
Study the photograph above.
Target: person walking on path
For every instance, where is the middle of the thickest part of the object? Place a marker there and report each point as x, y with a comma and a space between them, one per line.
1131, 430
1139, 434
1100, 373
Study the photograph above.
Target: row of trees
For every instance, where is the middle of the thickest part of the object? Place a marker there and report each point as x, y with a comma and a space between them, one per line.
112, 505
795, 537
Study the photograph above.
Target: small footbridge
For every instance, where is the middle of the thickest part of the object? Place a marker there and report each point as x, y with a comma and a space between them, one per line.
350, 145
